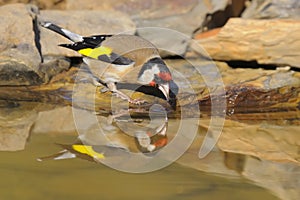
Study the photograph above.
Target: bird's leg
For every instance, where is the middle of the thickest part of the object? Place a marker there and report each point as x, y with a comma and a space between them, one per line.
95, 82
104, 89
112, 87
124, 112
98, 84
111, 118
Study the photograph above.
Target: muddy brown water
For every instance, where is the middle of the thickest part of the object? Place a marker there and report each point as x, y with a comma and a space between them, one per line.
25, 178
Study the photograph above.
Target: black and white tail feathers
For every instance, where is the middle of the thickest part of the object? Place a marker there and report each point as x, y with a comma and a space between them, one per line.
80, 42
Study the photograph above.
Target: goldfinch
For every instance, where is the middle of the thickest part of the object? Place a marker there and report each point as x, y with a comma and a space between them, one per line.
114, 59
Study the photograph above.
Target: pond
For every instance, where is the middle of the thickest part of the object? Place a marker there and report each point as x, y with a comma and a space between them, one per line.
23, 177
226, 175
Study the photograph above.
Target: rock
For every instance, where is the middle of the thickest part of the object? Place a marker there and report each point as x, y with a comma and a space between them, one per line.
136, 8
53, 66
43, 4
46, 4
60, 120
16, 120
182, 17
19, 56
267, 9
220, 17
182, 26
83, 23
265, 41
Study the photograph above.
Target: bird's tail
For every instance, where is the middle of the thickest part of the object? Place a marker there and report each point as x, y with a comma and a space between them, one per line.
64, 154
66, 33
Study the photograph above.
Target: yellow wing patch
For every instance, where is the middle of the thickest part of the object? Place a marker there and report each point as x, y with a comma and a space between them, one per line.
96, 52
87, 150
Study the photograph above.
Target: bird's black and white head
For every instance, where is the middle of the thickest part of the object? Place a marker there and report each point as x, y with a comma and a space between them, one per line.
155, 73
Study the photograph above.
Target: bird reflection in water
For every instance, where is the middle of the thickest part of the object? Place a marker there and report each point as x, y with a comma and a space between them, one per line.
117, 136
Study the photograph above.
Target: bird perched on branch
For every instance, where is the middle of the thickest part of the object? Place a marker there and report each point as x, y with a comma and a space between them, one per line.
123, 62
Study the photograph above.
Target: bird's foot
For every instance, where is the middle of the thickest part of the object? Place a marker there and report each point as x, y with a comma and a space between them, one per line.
124, 115
113, 89
137, 101
103, 90
130, 100
96, 82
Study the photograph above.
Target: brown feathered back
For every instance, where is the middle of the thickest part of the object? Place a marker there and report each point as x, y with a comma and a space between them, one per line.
136, 48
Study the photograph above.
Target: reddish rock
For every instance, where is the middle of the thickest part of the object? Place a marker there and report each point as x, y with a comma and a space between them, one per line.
266, 41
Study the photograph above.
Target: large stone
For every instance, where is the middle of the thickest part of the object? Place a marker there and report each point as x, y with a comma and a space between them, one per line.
181, 24
182, 17
19, 56
83, 23
136, 8
43, 4
265, 41
267, 9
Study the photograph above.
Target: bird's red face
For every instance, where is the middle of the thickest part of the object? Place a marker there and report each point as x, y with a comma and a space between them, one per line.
166, 76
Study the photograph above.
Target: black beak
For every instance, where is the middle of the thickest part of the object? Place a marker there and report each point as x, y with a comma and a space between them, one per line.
173, 102
173, 94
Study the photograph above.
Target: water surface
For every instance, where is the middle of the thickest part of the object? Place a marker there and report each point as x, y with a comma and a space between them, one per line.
25, 178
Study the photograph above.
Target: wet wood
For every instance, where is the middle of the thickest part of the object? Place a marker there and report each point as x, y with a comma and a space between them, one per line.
247, 100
